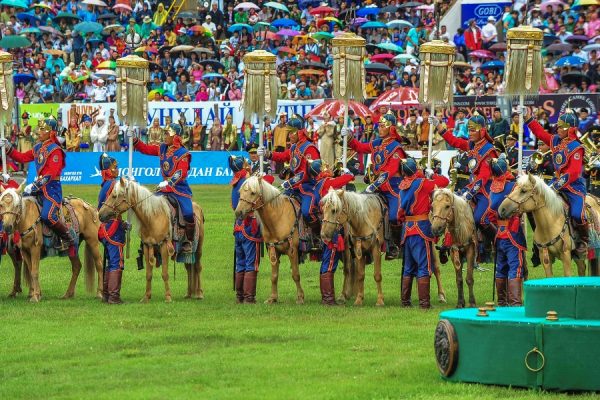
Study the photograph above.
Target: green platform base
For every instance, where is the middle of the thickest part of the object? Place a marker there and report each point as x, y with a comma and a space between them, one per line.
493, 349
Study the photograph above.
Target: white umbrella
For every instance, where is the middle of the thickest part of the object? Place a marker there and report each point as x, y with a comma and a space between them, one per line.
94, 3
246, 6
105, 73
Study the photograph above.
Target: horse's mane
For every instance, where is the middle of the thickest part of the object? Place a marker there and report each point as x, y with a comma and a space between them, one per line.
552, 200
269, 192
464, 223
359, 205
148, 204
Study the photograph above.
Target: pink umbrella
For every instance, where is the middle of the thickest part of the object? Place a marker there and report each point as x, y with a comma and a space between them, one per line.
288, 32
552, 3
359, 21
382, 57
426, 7
397, 99
122, 7
482, 54
336, 109
246, 6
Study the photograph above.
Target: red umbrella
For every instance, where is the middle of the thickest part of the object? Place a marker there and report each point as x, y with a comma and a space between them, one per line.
267, 35
336, 108
397, 99
321, 10
482, 54
382, 57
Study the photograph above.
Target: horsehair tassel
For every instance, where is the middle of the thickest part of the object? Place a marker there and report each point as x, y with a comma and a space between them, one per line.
348, 67
524, 67
260, 85
133, 75
437, 63
6, 87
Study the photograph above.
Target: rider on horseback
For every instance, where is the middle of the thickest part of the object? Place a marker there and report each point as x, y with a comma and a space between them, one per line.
567, 156
510, 239
112, 235
175, 163
333, 250
480, 150
49, 160
415, 195
386, 153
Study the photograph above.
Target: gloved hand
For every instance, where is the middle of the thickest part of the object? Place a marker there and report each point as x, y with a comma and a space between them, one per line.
5, 177
4, 143
129, 133
126, 226
286, 185
163, 184
457, 165
428, 173
28, 189
370, 189
347, 171
344, 132
433, 121
260, 151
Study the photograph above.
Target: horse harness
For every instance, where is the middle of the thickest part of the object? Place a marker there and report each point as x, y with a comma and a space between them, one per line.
449, 221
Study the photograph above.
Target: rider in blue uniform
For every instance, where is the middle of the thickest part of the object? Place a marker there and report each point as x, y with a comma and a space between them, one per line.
112, 234
175, 163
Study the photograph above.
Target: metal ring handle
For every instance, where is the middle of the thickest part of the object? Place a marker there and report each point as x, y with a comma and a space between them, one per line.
533, 351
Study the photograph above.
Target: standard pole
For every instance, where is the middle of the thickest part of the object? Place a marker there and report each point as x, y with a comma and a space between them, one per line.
261, 157
430, 143
130, 174
521, 129
345, 139
4, 170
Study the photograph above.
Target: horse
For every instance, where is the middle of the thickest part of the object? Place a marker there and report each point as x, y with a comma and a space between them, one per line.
552, 234
22, 214
155, 229
451, 212
278, 215
361, 216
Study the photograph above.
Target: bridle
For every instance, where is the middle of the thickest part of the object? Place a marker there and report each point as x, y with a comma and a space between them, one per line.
447, 219
337, 222
116, 207
520, 203
259, 202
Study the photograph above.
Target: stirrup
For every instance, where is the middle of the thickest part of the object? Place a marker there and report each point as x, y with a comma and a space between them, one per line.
63, 245
186, 246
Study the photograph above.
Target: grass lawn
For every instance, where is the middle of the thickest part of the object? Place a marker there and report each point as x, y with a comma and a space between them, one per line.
215, 349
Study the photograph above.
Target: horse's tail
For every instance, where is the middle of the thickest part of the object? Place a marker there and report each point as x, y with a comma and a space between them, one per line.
89, 267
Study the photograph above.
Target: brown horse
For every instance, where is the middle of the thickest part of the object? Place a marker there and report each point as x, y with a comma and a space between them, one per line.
451, 212
552, 234
278, 216
154, 218
22, 214
362, 216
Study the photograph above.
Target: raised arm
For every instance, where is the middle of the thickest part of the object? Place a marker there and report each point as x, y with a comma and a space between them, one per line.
148, 149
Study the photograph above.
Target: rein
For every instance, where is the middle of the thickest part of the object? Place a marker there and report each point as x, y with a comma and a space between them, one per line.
525, 200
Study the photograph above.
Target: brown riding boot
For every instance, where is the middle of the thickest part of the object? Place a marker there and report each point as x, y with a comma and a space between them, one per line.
406, 290
190, 230
514, 292
501, 287
393, 251
583, 240
250, 287
423, 288
66, 241
327, 290
105, 286
239, 287
114, 287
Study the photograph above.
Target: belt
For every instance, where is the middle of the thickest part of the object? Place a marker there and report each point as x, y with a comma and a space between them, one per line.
56, 179
595, 182
502, 223
463, 176
547, 176
416, 218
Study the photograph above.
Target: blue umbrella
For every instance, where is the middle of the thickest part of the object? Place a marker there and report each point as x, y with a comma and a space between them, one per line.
95, 42
88, 27
22, 78
25, 16
591, 47
495, 64
363, 12
305, 3
373, 25
570, 61
549, 39
31, 30
212, 75
286, 22
239, 27
399, 23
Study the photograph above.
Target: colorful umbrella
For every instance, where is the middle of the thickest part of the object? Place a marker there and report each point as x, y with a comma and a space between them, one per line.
397, 99
399, 23
462, 64
285, 49
337, 108
239, 27
322, 10
373, 25
247, 6
570, 61
182, 48
66, 16
581, 3
99, 3
75, 77
359, 21
88, 27
152, 93
310, 72
114, 27
215, 64
561, 48
389, 9
50, 30
381, 57
105, 73
288, 32
203, 50
482, 54
107, 65
494, 64
212, 75
575, 77
14, 42
363, 12
22, 78
284, 22
14, 3
54, 52
197, 28
30, 30
322, 35
268, 35
334, 20
591, 47
577, 38
390, 47
122, 8
498, 47
405, 58
106, 17
377, 68
410, 4
276, 6
44, 6
29, 17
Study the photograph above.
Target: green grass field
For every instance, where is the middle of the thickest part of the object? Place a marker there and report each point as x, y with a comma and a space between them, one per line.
215, 349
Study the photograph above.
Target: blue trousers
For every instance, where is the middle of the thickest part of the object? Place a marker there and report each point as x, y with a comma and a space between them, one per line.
418, 257
509, 260
576, 200
331, 258
114, 255
51, 195
308, 199
185, 204
393, 201
482, 204
247, 253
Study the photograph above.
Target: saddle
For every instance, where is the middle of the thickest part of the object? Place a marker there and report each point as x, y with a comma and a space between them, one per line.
67, 216
178, 231
176, 214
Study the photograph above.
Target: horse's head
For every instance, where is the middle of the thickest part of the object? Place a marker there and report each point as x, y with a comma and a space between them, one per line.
442, 211
117, 202
11, 208
334, 214
251, 197
523, 198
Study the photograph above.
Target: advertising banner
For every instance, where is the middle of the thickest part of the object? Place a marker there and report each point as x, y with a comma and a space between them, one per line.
481, 11
38, 111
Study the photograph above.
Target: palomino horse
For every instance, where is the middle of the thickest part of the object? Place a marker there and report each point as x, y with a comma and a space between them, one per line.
361, 216
13, 252
451, 212
278, 216
552, 234
22, 214
154, 216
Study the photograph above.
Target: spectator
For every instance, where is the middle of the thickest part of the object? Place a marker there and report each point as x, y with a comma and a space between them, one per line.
73, 136
489, 34
85, 131
99, 134
234, 93
170, 87
499, 126
100, 92
473, 39
112, 140
230, 134
216, 136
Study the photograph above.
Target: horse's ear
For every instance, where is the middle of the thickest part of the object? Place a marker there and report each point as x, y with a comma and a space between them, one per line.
21, 188
531, 178
341, 192
1, 189
122, 181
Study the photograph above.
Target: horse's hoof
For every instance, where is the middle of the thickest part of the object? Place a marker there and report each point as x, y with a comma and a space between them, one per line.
442, 298
145, 299
168, 299
270, 300
379, 303
187, 296
358, 303
14, 293
341, 300
472, 305
68, 296
198, 297
300, 301
460, 305
34, 299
